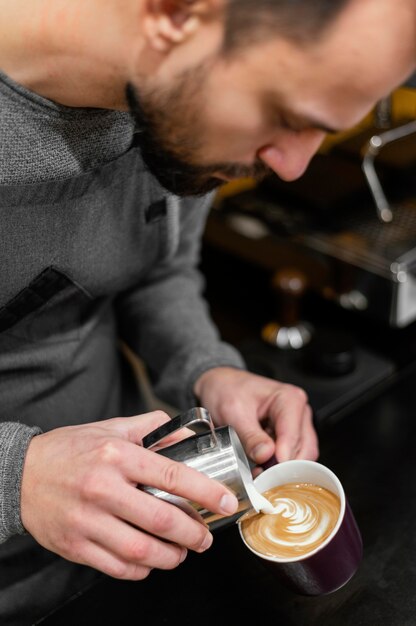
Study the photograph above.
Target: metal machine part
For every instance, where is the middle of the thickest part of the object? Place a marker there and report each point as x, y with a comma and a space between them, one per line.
371, 150
383, 112
347, 253
287, 331
377, 261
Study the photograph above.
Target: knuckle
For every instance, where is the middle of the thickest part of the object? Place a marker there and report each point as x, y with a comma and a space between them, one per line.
251, 440
174, 562
298, 393
73, 548
92, 488
171, 476
137, 550
109, 453
75, 521
162, 519
200, 542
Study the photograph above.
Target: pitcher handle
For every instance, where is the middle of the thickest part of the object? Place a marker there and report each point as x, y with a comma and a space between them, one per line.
197, 415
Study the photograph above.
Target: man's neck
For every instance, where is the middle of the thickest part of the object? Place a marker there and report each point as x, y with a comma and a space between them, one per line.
75, 53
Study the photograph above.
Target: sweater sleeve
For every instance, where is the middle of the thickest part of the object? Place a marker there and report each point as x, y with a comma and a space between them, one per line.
166, 320
14, 441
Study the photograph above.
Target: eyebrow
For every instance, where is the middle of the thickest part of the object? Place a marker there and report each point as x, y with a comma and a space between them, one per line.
310, 122
297, 121
316, 124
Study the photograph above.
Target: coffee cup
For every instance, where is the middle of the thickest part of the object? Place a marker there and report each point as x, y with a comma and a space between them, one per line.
312, 542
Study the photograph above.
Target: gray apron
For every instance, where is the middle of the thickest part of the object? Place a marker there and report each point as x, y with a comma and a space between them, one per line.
68, 249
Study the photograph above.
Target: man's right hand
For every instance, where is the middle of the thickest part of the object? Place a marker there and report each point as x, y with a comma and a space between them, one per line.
79, 498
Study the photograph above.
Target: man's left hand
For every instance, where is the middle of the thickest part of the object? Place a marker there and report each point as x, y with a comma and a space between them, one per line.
270, 417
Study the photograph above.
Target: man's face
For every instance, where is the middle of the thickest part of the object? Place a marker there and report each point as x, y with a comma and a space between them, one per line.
171, 137
270, 105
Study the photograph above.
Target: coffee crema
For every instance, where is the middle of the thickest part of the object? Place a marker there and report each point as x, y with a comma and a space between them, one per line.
307, 514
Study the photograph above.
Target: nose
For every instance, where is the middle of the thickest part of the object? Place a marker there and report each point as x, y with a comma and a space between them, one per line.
289, 155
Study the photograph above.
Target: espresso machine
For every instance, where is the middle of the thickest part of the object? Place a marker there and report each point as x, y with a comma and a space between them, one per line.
339, 249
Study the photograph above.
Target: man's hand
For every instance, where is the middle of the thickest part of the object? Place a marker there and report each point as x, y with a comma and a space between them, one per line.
80, 498
270, 417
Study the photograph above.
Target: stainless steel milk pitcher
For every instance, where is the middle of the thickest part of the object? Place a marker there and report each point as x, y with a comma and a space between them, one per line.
217, 452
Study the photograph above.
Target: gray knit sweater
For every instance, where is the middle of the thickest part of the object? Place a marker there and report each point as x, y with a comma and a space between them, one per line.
41, 141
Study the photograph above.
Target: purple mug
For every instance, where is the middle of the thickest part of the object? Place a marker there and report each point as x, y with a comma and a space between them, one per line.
333, 563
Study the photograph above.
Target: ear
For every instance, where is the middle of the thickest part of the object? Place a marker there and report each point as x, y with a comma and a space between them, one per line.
168, 23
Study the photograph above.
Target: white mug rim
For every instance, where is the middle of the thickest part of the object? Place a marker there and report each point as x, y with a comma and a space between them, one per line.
340, 494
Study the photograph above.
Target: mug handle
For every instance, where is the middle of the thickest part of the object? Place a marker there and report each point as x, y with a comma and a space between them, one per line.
197, 415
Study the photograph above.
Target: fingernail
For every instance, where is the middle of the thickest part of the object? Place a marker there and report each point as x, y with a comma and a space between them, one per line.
183, 555
228, 504
206, 543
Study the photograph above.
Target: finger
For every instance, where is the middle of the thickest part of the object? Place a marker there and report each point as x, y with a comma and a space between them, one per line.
179, 435
309, 448
287, 413
257, 470
257, 442
148, 468
94, 555
138, 426
160, 518
131, 545
135, 427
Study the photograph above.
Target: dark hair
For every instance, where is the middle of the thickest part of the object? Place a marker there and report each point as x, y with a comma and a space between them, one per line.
300, 21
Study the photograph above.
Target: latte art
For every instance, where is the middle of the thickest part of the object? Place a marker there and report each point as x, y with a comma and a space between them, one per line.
306, 515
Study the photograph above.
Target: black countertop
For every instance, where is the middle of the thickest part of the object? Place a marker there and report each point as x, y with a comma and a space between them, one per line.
372, 452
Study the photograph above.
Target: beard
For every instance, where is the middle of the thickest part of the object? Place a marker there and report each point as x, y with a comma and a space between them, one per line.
169, 131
